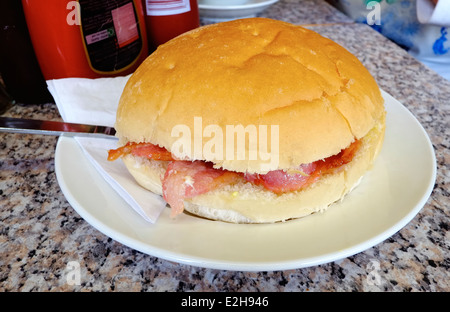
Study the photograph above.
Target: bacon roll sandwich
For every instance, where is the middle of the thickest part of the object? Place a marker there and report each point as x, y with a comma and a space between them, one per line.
250, 121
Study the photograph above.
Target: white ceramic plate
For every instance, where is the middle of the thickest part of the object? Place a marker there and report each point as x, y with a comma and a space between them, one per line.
388, 197
218, 13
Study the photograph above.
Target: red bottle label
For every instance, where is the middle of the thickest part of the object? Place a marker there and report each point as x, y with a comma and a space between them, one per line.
111, 34
167, 7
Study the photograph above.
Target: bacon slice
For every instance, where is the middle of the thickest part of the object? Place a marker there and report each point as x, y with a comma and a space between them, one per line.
146, 150
186, 179
335, 161
280, 181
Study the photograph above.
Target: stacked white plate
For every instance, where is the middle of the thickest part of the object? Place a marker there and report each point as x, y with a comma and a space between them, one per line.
223, 10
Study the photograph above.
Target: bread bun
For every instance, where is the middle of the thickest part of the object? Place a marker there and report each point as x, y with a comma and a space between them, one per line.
254, 71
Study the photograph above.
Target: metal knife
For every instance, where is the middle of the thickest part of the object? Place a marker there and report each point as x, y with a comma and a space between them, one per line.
34, 126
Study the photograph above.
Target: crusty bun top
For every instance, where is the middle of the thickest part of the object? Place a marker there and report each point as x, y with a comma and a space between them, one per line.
254, 71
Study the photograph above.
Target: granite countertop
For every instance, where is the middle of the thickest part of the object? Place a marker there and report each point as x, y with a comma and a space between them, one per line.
41, 235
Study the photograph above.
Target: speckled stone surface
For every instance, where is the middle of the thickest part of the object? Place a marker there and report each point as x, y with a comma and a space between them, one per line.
41, 235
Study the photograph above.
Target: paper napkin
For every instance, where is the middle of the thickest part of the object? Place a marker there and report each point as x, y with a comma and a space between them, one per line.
95, 101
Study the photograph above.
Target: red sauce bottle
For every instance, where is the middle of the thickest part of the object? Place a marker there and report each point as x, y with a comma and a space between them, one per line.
166, 19
87, 38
